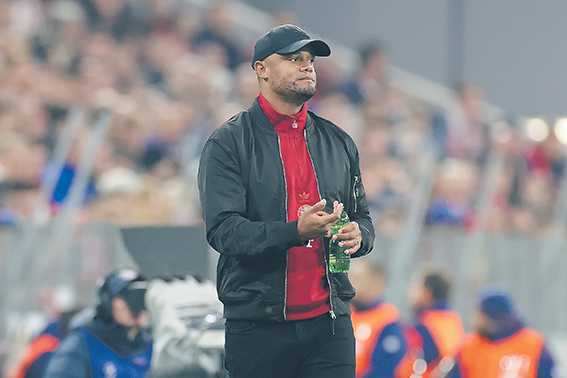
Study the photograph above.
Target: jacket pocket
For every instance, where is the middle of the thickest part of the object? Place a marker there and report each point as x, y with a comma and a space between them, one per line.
343, 288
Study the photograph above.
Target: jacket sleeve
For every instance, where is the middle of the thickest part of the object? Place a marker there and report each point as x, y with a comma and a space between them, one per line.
37, 367
222, 192
70, 360
361, 212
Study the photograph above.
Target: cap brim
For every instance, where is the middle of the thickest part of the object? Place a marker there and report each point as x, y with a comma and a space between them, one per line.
134, 296
318, 47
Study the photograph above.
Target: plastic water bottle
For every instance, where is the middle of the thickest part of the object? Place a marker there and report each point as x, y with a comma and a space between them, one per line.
339, 262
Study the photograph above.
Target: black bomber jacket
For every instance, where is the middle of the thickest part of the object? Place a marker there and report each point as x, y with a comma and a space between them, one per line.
243, 195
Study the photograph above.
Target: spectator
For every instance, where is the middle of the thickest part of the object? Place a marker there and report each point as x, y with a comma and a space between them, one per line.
537, 196
21, 158
436, 331
466, 132
501, 345
371, 80
335, 107
453, 194
386, 182
115, 342
119, 190
217, 33
118, 18
19, 204
34, 358
380, 344
548, 157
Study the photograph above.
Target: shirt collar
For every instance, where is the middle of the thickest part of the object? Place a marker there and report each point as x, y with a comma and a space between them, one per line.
283, 122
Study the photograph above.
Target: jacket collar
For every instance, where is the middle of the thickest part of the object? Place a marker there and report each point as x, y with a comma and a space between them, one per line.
262, 120
283, 122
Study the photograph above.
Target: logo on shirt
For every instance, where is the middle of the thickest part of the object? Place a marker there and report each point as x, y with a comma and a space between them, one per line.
514, 365
109, 370
304, 196
391, 344
302, 209
141, 361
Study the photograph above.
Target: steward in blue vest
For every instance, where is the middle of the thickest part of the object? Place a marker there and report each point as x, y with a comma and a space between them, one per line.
114, 344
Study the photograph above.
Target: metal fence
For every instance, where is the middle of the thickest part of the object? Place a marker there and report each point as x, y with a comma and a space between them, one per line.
40, 275
30, 278
532, 268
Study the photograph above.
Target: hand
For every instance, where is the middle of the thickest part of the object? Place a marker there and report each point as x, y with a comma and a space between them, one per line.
315, 223
352, 237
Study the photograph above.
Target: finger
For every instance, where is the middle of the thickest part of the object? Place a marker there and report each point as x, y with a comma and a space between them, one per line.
352, 227
350, 231
349, 243
337, 209
315, 209
353, 248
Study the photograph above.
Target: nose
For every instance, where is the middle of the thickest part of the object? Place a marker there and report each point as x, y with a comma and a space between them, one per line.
307, 66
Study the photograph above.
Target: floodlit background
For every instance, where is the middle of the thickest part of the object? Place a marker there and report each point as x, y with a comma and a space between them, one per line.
457, 108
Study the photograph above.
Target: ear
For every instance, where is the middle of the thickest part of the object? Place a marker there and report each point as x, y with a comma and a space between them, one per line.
260, 68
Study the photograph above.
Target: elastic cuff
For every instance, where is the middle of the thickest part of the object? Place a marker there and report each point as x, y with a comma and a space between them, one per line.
289, 236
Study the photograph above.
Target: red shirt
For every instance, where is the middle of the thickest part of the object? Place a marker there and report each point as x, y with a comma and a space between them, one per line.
307, 292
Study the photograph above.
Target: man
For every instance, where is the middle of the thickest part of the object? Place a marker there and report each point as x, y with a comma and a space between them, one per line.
113, 344
436, 332
272, 181
501, 345
380, 345
370, 82
34, 358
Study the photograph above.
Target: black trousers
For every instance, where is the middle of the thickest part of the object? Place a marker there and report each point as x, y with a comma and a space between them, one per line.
311, 348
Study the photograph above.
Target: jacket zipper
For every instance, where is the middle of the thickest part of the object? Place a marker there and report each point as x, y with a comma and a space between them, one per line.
294, 135
354, 192
286, 219
332, 312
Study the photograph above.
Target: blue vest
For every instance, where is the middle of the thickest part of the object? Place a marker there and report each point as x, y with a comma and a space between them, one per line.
105, 363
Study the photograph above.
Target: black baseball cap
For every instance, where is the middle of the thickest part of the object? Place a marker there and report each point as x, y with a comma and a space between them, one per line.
134, 294
286, 39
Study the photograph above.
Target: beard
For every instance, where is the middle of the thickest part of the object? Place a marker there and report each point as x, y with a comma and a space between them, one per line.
291, 93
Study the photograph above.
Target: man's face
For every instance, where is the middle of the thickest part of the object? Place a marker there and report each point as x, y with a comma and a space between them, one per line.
292, 76
367, 284
419, 296
124, 316
483, 325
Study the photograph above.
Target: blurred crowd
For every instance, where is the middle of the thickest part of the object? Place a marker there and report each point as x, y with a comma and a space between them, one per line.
172, 72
